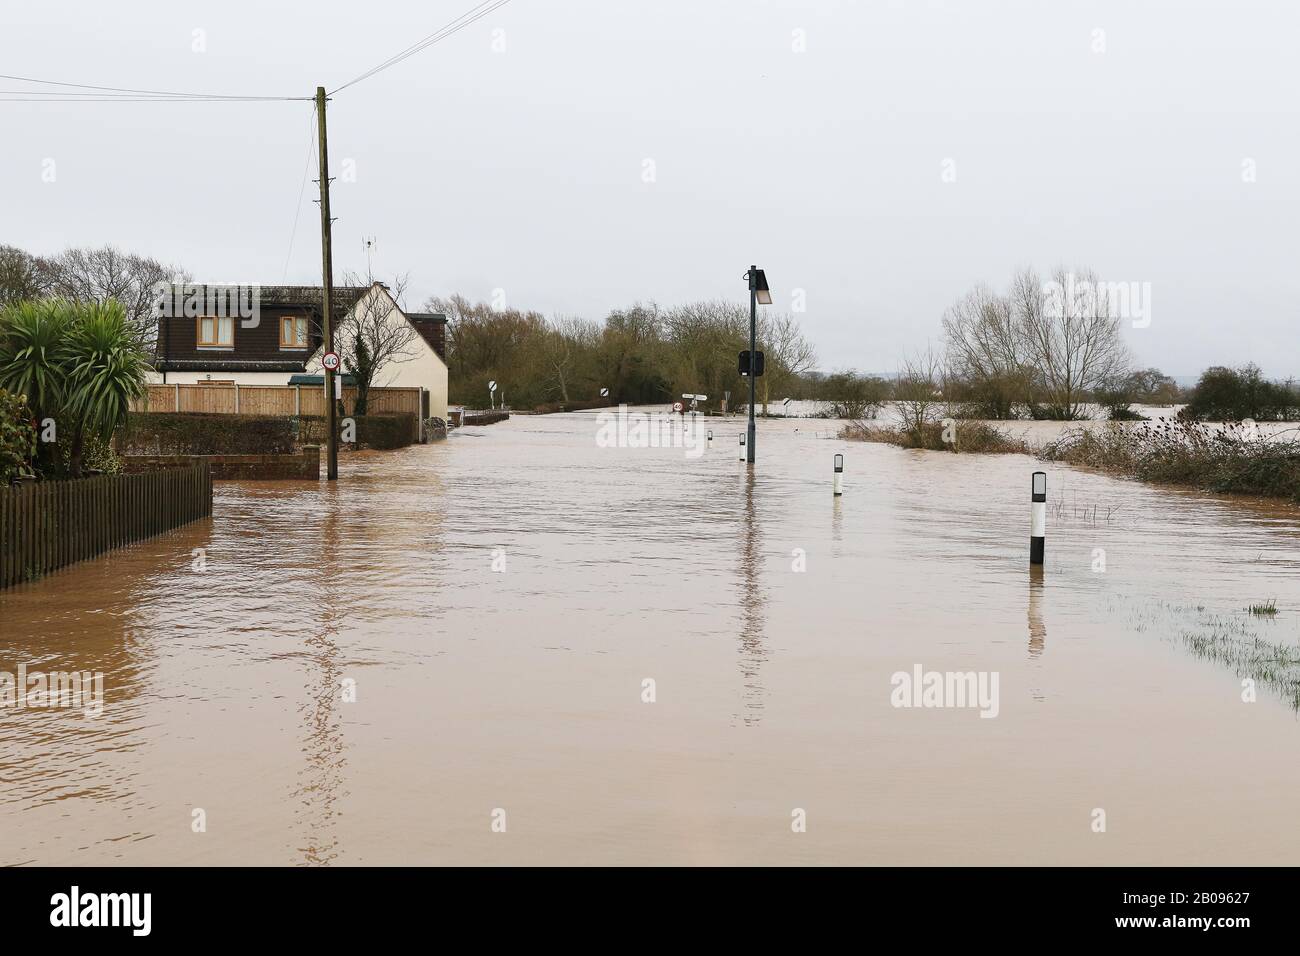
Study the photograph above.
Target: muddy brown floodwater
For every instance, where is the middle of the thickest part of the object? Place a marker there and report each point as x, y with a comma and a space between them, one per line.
516, 694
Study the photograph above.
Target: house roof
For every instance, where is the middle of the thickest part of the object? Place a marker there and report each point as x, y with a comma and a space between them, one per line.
426, 323
227, 365
345, 296
348, 380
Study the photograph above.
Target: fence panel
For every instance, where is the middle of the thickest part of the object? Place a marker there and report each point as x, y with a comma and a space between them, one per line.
49, 525
269, 399
265, 400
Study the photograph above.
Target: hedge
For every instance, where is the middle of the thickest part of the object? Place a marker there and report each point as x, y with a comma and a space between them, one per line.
202, 433
372, 431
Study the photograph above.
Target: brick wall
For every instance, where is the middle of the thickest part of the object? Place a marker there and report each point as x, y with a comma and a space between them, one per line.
303, 466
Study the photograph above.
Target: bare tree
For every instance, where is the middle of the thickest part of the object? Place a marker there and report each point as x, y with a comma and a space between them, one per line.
22, 276
375, 336
1072, 340
918, 393
986, 351
487, 342
566, 339
787, 354
96, 275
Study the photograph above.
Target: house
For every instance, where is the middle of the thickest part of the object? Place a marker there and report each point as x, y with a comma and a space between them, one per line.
266, 335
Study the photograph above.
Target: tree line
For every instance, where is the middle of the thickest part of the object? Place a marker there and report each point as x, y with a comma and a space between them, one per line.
90, 275
642, 354
1036, 349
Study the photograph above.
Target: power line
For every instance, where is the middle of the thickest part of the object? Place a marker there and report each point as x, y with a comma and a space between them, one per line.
462, 21
124, 91
92, 93
142, 99
311, 150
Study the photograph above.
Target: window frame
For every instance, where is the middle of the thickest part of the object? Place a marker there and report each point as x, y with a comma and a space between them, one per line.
216, 344
293, 346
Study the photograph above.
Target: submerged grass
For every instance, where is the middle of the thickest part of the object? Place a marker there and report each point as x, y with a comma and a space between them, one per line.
957, 435
1228, 642
1231, 640
1267, 609
1229, 458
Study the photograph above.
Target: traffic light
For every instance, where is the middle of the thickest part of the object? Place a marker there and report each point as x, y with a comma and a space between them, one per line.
758, 363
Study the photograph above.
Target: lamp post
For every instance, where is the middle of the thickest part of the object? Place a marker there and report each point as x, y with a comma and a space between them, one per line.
758, 292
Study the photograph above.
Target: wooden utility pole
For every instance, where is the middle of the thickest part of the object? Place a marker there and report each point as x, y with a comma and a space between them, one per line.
327, 291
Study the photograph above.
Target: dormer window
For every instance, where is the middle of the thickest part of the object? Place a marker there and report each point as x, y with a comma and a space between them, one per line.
216, 332
293, 332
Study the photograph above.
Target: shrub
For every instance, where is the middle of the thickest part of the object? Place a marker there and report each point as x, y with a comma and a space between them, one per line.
1230, 458
372, 431
201, 433
969, 436
1228, 395
80, 365
17, 437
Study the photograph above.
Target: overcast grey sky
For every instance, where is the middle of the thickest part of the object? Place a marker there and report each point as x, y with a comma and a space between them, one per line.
514, 155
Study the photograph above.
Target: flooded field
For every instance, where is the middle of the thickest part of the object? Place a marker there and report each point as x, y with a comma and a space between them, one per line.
498, 603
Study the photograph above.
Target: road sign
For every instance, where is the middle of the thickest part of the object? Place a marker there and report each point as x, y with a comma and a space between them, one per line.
785, 402
604, 393
678, 406
331, 361
758, 363
492, 386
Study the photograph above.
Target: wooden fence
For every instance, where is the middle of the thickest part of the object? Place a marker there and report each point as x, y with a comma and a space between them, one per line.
48, 525
270, 400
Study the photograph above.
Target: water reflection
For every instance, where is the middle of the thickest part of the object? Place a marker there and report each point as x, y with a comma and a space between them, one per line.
753, 647
321, 784
223, 687
1037, 627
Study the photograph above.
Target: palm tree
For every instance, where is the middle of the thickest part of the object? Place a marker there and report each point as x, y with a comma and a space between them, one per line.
32, 336
79, 365
106, 369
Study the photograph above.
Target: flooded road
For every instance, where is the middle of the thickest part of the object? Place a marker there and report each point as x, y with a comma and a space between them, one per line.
499, 604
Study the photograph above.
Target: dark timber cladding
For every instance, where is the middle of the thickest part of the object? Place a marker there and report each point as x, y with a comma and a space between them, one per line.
49, 525
432, 327
256, 346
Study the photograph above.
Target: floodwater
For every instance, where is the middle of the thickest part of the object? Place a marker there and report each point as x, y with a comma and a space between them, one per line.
496, 604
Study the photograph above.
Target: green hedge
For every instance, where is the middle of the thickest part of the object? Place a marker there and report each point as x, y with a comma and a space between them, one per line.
200, 433
372, 431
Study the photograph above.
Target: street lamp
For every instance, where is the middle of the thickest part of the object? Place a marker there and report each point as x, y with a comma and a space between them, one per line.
758, 292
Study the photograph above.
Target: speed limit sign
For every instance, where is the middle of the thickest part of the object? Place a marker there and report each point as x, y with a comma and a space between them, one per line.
331, 361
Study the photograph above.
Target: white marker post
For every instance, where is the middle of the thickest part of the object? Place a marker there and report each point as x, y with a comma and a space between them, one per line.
839, 475
710, 436
742, 447
1038, 517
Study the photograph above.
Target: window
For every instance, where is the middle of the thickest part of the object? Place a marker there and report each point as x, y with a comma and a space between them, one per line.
293, 332
216, 332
